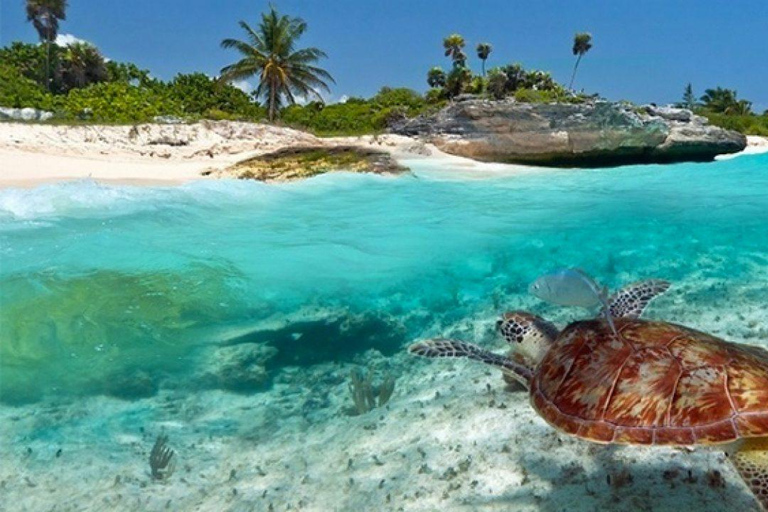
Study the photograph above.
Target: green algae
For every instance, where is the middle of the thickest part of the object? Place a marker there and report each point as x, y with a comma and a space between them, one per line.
108, 331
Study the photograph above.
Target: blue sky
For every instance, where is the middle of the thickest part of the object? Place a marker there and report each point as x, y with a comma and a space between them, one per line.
644, 50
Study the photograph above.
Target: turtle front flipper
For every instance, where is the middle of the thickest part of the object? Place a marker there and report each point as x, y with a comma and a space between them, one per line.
453, 348
751, 461
631, 301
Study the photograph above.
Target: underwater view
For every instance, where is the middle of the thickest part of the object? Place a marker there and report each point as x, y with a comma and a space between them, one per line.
232, 345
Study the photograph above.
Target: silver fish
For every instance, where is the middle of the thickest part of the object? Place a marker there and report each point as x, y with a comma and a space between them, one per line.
568, 287
572, 287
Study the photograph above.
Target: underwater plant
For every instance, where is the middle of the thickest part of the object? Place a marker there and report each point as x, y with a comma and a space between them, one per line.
162, 459
367, 396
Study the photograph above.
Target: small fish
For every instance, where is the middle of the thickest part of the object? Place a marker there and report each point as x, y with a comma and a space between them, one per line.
572, 287
568, 287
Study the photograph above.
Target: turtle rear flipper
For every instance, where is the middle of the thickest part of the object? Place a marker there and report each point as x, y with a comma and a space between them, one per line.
631, 301
454, 348
751, 461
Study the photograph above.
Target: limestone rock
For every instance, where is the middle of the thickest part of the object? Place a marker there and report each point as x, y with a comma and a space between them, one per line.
579, 135
24, 114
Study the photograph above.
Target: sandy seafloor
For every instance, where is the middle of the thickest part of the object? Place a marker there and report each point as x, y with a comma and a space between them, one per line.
451, 438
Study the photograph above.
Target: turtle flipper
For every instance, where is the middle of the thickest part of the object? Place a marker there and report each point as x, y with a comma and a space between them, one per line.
751, 461
453, 348
631, 301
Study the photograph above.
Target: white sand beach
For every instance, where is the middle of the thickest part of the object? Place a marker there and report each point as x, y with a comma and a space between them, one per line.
155, 154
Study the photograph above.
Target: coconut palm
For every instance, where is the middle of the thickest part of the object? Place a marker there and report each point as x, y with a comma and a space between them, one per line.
80, 64
436, 77
454, 48
483, 51
45, 16
270, 52
582, 43
725, 101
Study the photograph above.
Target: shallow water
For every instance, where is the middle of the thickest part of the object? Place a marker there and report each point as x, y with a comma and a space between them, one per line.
127, 292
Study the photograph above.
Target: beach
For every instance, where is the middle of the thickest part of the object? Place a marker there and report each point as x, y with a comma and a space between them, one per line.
162, 155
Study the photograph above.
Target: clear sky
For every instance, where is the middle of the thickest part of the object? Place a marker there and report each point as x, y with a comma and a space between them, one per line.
644, 50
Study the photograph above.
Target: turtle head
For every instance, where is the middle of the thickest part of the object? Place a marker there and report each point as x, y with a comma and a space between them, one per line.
530, 335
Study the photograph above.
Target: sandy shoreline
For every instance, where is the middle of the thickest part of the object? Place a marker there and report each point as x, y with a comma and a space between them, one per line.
159, 155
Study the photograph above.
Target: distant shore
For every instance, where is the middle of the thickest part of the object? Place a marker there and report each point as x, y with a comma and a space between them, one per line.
158, 155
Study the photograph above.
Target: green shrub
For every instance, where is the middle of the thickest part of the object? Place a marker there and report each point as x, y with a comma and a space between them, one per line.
120, 103
18, 91
746, 124
357, 116
198, 94
29, 60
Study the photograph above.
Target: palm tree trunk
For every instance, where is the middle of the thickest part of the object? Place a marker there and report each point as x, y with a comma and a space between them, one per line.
48, 60
483, 68
272, 100
573, 76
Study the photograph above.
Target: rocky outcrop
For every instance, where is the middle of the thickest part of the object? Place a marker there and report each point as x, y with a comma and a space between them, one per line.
578, 135
300, 162
24, 114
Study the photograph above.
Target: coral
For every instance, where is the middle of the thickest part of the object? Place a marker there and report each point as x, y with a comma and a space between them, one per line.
367, 396
162, 459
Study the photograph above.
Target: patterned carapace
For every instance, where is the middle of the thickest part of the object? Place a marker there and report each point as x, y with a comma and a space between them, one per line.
657, 383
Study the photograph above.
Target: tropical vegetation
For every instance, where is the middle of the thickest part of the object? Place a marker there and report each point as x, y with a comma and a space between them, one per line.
284, 72
78, 84
582, 43
724, 108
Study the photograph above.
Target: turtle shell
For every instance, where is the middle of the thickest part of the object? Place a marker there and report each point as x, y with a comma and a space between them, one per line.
656, 383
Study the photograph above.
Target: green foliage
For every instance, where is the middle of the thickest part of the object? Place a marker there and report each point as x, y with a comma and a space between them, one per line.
45, 16
120, 102
198, 95
547, 96
582, 43
689, 99
454, 48
18, 91
270, 53
725, 101
127, 72
497, 83
436, 77
476, 85
29, 59
357, 116
80, 64
746, 124
483, 51
458, 80
435, 96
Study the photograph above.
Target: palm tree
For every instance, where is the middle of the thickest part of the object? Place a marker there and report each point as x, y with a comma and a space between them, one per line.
270, 52
436, 77
483, 51
719, 100
454, 48
81, 64
45, 16
582, 42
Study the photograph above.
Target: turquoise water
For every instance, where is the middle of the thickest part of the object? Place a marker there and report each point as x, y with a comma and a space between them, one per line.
123, 291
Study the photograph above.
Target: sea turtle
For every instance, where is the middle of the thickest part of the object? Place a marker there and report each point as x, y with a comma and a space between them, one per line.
656, 383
